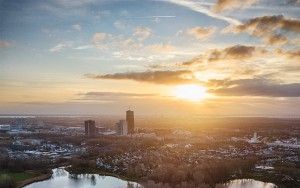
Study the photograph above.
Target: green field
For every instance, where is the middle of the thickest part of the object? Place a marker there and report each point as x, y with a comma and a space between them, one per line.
19, 176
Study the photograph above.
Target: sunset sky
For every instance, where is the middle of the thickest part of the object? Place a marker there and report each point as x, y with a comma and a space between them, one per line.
199, 57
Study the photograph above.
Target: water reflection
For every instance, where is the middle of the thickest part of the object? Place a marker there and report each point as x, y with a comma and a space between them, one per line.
246, 183
62, 178
60, 172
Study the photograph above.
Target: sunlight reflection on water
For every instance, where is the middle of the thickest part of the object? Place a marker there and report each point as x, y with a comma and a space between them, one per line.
62, 178
246, 183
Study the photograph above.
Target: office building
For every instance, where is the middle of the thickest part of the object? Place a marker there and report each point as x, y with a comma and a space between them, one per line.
90, 128
130, 121
121, 128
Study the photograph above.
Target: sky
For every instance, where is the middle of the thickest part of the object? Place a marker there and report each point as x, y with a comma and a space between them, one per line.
157, 57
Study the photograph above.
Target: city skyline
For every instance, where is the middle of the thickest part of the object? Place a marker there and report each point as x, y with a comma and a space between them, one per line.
169, 57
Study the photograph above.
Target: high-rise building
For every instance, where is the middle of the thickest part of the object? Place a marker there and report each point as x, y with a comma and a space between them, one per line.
130, 121
90, 128
121, 128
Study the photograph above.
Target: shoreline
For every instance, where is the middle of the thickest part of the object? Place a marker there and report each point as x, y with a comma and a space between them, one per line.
34, 180
125, 178
102, 173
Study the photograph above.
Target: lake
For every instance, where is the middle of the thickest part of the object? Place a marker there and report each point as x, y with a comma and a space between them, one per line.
62, 178
246, 183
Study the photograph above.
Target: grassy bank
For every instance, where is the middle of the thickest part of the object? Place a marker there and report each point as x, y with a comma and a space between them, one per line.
20, 179
19, 176
28, 181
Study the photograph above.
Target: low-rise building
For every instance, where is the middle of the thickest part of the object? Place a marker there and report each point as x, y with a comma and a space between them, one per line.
4, 128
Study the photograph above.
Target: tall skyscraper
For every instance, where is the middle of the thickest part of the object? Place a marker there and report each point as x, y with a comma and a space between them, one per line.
90, 128
130, 121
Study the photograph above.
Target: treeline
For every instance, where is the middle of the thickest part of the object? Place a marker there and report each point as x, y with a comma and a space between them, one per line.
209, 172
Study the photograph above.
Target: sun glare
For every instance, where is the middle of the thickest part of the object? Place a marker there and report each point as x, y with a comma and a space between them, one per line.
190, 92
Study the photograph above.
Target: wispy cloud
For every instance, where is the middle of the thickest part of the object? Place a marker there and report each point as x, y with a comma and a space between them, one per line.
155, 18
83, 47
289, 54
134, 47
236, 53
222, 5
157, 77
201, 33
59, 47
151, 17
142, 33
198, 7
76, 27
270, 28
257, 87
101, 94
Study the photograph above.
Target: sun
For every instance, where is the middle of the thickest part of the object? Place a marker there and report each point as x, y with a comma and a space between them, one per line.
190, 92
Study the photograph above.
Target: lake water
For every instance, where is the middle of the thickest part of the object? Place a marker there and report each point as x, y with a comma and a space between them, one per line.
63, 179
246, 183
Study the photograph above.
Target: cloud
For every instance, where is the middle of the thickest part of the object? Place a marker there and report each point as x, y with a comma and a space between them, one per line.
76, 27
59, 47
83, 47
256, 87
201, 33
102, 40
239, 51
133, 48
198, 7
262, 24
269, 28
161, 48
5, 44
291, 68
229, 54
106, 41
99, 37
276, 39
155, 18
289, 54
222, 5
157, 77
142, 33
110, 95
293, 2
